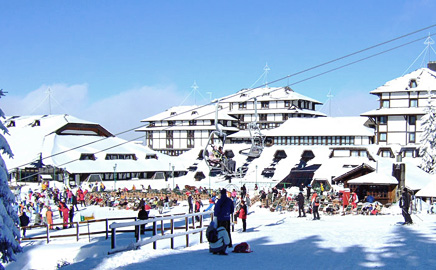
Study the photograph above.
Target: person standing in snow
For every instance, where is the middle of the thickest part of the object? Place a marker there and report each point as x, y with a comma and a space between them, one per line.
223, 210
24, 221
49, 216
71, 216
190, 204
300, 199
243, 215
315, 205
142, 215
308, 191
405, 201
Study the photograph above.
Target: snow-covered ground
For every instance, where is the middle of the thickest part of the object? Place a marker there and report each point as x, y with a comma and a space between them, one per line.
278, 241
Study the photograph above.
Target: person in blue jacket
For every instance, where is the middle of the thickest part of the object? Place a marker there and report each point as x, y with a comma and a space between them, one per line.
223, 210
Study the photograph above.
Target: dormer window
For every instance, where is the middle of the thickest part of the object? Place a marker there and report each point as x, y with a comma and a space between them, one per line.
11, 124
173, 113
37, 123
194, 112
413, 83
243, 95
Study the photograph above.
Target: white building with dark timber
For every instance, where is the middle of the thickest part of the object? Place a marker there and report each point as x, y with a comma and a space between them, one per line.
180, 129
402, 105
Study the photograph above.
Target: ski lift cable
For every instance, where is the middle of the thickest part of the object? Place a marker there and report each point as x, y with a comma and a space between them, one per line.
277, 80
413, 62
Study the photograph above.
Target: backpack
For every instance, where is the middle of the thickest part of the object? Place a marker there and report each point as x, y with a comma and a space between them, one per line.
243, 247
212, 235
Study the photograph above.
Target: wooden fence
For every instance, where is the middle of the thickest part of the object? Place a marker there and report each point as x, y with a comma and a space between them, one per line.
158, 225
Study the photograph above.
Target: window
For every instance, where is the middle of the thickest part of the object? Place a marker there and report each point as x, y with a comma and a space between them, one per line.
285, 116
169, 133
120, 156
263, 117
413, 83
152, 124
287, 103
191, 133
194, 112
241, 118
11, 124
190, 143
87, 157
412, 120
170, 123
192, 122
385, 103
385, 153
413, 103
383, 136
383, 120
173, 113
264, 104
243, 105
412, 137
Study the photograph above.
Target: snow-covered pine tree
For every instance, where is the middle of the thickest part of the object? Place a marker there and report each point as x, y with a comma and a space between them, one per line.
9, 232
427, 149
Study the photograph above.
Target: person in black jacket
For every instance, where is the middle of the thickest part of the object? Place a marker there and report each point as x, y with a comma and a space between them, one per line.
300, 199
24, 221
142, 215
190, 203
405, 201
224, 208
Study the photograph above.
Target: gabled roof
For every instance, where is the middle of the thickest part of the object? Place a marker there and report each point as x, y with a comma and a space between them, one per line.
190, 113
425, 80
268, 94
374, 178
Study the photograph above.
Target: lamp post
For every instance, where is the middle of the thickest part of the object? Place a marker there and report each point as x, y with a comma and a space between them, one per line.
256, 175
173, 177
115, 176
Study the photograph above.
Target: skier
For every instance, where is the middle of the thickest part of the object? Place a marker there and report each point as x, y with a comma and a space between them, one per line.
405, 201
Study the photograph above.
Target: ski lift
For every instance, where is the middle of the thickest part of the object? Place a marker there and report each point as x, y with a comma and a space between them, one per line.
256, 136
214, 154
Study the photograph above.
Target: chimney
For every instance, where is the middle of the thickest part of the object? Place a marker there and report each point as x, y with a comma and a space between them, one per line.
399, 172
432, 65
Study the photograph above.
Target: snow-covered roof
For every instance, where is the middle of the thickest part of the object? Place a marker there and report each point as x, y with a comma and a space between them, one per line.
294, 110
428, 191
267, 94
186, 113
29, 141
396, 111
425, 80
322, 126
374, 178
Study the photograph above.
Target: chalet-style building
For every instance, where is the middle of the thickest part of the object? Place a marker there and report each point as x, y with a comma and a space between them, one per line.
402, 105
68, 149
180, 129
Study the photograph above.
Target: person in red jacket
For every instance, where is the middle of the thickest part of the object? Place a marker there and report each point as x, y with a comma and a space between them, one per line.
65, 215
243, 215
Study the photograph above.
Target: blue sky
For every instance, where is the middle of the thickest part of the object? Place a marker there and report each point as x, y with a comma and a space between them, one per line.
117, 62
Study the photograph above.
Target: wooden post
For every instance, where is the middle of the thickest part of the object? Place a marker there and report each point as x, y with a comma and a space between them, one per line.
172, 232
107, 228
201, 226
77, 230
137, 232
186, 229
162, 227
154, 233
113, 238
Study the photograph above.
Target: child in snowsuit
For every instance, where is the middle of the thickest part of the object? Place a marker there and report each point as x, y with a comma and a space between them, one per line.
243, 215
220, 245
